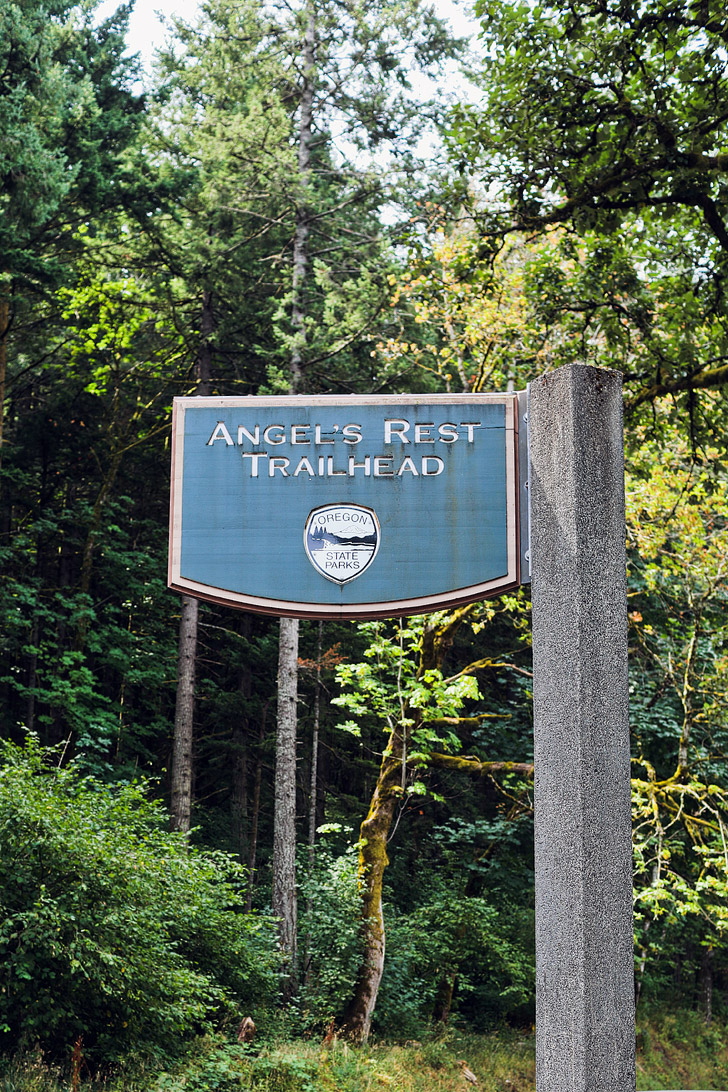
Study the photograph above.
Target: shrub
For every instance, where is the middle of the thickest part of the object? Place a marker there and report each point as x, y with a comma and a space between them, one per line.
332, 938
485, 951
112, 928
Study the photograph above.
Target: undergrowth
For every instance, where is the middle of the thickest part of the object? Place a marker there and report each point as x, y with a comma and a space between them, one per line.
674, 1051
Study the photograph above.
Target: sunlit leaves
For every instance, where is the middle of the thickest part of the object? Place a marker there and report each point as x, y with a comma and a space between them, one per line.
468, 334
677, 517
390, 686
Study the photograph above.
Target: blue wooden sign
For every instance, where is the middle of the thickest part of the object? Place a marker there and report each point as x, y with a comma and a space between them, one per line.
353, 507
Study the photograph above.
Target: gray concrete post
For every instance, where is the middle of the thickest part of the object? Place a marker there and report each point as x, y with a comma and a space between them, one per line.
585, 1031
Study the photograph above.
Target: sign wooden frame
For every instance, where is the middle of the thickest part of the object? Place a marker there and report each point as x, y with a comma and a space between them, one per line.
306, 407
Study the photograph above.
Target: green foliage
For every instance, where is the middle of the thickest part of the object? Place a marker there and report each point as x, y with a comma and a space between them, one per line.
599, 131
64, 691
113, 929
445, 936
67, 114
219, 1066
464, 335
674, 1050
87, 653
460, 942
677, 515
213, 1066
601, 151
633, 122
332, 941
228, 128
389, 686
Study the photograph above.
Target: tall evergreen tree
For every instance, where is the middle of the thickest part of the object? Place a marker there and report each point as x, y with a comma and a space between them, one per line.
67, 114
292, 103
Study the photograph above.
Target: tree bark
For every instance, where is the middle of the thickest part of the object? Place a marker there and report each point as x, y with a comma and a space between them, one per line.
184, 716
284, 832
284, 823
181, 774
442, 1006
372, 862
256, 811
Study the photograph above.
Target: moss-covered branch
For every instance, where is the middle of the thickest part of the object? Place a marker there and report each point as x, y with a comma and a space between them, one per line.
481, 665
437, 639
709, 379
465, 722
470, 764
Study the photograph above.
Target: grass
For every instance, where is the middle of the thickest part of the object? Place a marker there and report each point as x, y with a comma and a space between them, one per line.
675, 1051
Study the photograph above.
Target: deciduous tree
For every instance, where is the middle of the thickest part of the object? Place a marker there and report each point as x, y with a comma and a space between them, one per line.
404, 683
606, 120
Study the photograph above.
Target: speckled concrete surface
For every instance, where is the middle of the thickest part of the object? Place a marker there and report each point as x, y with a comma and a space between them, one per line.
585, 1032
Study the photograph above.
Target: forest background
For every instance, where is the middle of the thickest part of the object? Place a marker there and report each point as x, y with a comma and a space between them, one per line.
206, 815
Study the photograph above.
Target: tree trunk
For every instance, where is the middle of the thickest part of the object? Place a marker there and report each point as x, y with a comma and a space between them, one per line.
284, 830
4, 327
443, 999
184, 717
436, 643
372, 862
256, 811
284, 823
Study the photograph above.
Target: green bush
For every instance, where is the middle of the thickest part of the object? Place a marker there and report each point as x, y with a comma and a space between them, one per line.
218, 1066
332, 940
111, 928
484, 950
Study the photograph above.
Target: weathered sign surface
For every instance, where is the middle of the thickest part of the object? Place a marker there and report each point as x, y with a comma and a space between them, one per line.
345, 507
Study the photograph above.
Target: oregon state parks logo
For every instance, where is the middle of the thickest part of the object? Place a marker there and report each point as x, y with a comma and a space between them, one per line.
341, 540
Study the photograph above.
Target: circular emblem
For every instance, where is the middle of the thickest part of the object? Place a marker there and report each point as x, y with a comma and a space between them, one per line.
341, 540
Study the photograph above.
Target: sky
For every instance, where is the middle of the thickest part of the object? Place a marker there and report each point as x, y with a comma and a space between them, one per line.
146, 27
